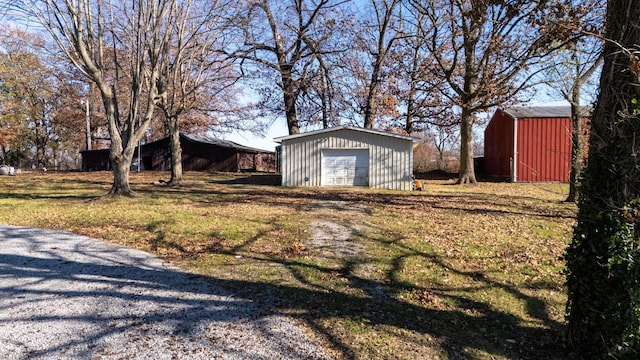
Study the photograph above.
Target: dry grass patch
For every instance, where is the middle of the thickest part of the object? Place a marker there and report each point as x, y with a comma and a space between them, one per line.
450, 272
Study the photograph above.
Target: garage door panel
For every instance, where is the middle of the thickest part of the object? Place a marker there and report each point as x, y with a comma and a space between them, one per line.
345, 167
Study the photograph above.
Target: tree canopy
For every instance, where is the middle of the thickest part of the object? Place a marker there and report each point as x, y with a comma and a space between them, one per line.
416, 66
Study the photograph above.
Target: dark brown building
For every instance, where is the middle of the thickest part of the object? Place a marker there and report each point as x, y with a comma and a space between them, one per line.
199, 153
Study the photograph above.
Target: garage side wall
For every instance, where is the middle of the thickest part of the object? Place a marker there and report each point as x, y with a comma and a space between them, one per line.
390, 158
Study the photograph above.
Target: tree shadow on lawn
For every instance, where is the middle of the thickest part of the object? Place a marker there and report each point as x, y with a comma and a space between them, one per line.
47, 197
472, 203
35, 275
67, 296
467, 325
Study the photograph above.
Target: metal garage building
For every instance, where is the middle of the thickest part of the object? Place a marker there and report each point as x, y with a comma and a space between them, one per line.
347, 156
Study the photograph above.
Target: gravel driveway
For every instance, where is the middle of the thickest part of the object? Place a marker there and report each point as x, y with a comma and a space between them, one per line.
64, 296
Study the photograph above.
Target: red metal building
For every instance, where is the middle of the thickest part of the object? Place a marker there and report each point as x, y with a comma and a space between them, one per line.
529, 144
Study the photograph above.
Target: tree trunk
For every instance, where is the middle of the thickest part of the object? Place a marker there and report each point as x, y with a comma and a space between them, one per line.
290, 111
372, 93
176, 151
325, 110
576, 147
121, 150
411, 96
369, 109
467, 172
603, 259
578, 130
292, 119
121, 168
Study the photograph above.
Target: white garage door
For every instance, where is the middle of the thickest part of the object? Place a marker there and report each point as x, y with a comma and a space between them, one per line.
345, 167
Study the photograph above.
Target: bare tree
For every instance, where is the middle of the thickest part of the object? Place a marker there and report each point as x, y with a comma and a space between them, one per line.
195, 75
318, 102
415, 81
284, 40
377, 36
486, 52
118, 46
574, 67
410, 61
444, 140
571, 69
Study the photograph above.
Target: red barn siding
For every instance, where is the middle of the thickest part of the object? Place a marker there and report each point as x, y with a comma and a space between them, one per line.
542, 144
543, 149
498, 146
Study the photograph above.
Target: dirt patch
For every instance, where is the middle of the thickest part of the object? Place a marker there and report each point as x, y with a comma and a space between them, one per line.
333, 236
333, 239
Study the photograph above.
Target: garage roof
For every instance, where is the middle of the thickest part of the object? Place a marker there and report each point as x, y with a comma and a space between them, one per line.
345, 127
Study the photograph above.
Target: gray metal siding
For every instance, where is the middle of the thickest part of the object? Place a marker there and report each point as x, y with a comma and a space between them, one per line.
390, 158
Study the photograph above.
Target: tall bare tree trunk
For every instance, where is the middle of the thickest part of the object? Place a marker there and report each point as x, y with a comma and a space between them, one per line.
121, 150
411, 97
370, 107
577, 128
105, 40
576, 147
292, 117
372, 92
385, 16
176, 152
290, 94
467, 173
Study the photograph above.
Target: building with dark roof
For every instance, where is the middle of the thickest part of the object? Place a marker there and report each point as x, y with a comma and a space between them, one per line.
199, 153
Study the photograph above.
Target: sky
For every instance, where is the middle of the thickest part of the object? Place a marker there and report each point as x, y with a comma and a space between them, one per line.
279, 128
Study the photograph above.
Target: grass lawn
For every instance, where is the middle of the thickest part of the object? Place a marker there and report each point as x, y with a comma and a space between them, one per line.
451, 272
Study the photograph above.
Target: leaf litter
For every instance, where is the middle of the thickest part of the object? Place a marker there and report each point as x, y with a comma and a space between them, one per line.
450, 272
